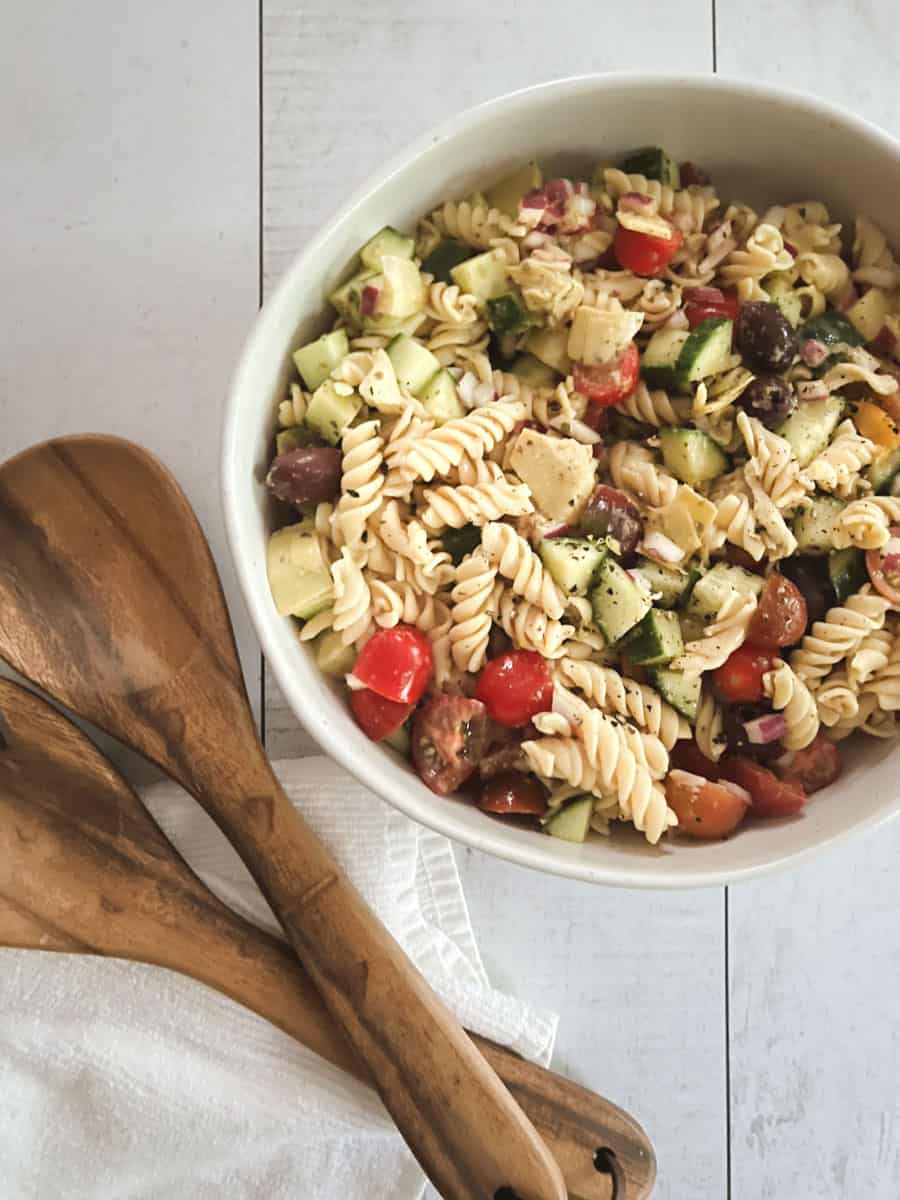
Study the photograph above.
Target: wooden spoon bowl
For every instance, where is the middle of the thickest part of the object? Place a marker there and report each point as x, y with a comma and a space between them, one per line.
111, 603
85, 869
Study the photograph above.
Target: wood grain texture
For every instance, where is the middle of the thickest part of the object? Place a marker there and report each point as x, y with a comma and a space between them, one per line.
814, 954
129, 188
637, 978
113, 606
85, 869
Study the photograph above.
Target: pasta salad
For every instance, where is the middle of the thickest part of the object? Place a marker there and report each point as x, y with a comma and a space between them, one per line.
591, 496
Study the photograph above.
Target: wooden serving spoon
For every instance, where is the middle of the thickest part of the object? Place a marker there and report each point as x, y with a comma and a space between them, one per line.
85, 869
110, 601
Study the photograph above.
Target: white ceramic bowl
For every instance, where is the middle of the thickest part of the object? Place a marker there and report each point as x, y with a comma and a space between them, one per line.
762, 145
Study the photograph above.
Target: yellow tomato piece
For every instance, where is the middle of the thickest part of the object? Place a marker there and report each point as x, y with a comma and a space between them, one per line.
874, 423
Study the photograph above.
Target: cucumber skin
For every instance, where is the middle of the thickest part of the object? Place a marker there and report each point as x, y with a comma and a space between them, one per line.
847, 572
571, 822
697, 344
672, 687
655, 640
444, 257
675, 443
812, 526
612, 591
653, 163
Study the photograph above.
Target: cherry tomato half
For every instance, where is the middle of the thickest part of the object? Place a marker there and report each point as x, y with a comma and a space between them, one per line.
884, 569
512, 793
704, 809
515, 686
815, 767
608, 383
396, 663
698, 310
772, 797
781, 615
449, 737
644, 254
377, 717
740, 677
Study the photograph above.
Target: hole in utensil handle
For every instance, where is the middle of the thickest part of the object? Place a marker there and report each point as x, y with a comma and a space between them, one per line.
606, 1163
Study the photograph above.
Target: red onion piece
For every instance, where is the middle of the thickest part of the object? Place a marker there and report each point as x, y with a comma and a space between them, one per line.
884, 343
635, 202
535, 199
791, 248
657, 546
703, 295
813, 352
846, 298
763, 730
678, 320
368, 301
890, 562
811, 389
558, 531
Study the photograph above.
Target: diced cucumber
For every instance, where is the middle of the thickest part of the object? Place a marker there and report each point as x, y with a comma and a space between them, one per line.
293, 439
386, 241
551, 347
533, 372
484, 276
813, 524
299, 577
332, 656
847, 571
668, 584
346, 299
831, 328
660, 357
884, 471
316, 360
330, 413
680, 690
507, 314
399, 740
653, 163
656, 640
507, 193
441, 399
444, 257
691, 455
780, 288
572, 822
413, 364
460, 542
617, 602
868, 313
810, 426
573, 562
598, 336
403, 292
721, 581
706, 351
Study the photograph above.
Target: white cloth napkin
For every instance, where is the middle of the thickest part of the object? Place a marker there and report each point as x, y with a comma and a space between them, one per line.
125, 1082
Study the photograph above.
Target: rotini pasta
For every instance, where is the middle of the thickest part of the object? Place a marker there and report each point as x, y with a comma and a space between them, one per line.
720, 638
842, 631
516, 561
477, 504
790, 696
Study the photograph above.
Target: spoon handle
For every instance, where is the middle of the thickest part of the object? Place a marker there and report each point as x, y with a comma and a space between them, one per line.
424, 1065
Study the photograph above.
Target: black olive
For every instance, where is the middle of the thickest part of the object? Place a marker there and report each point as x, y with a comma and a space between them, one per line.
810, 574
610, 513
765, 337
733, 718
770, 399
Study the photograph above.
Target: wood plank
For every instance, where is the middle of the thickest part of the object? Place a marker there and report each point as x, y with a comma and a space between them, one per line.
130, 202
637, 978
815, 960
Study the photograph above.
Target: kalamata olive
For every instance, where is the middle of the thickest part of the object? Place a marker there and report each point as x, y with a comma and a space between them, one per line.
307, 473
610, 513
810, 574
765, 337
733, 718
513, 793
770, 399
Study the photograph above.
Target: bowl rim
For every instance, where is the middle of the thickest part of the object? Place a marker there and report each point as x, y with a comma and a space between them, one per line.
234, 492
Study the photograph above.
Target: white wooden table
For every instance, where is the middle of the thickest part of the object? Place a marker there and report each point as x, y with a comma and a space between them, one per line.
161, 164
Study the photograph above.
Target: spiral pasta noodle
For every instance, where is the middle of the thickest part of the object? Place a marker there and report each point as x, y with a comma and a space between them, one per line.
528, 626
635, 701
634, 469
865, 523
352, 615
547, 284
870, 658
476, 504
837, 701
720, 638
516, 561
361, 483
650, 408
790, 696
292, 411
473, 435
842, 631
884, 685
763, 252
472, 597
735, 521
837, 468
773, 464
449, 304
476, 224
708, 728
